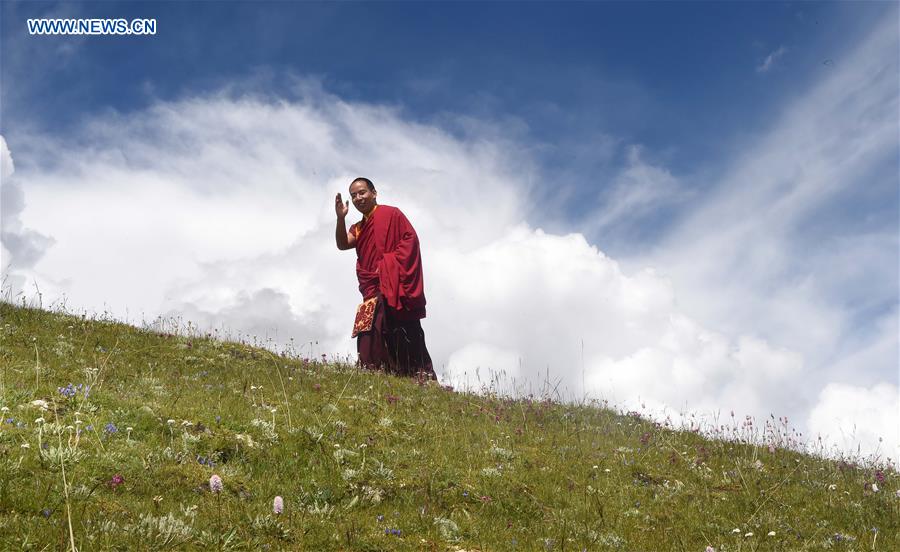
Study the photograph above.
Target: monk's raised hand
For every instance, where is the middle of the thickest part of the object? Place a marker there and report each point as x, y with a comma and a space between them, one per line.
340, 208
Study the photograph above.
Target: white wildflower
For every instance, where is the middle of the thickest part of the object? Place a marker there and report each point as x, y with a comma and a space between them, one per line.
372, 494
501, 453
770, 534
447, 528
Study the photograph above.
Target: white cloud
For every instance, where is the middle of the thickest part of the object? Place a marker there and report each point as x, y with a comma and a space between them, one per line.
853, 416
178, 212
20, 247
770, 60
639, 189
783, 250
7, 167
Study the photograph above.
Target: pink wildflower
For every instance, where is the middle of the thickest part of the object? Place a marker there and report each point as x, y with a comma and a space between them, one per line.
710, 549
278, 505
215, 483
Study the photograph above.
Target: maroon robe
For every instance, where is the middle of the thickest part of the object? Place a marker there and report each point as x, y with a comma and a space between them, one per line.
389, 266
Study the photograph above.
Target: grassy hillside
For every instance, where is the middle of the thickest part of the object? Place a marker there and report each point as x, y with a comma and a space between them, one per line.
110, 435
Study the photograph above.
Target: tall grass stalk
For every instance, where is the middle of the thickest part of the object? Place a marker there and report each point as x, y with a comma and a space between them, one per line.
62, 463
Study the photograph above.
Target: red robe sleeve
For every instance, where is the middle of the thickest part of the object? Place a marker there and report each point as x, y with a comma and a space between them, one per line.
400, 270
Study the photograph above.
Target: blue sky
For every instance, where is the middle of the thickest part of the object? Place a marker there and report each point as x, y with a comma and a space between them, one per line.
715, 184
680, 79
677, 73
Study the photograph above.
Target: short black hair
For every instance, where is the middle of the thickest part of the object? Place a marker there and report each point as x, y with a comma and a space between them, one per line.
366, 180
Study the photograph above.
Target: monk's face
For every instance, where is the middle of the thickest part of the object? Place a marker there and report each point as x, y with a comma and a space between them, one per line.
363, 198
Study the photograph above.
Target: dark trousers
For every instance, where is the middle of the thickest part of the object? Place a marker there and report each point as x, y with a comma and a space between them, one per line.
394, 345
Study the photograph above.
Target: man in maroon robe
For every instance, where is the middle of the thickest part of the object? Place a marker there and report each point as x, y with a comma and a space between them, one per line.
389, 268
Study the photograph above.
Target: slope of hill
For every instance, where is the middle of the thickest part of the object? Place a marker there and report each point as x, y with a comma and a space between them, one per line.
111, 435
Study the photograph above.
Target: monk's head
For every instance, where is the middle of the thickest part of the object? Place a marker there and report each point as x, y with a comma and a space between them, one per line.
363, 194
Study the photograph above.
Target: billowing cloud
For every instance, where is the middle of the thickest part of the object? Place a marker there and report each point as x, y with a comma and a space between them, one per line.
797, 243
183, 213
20, 247
847, 415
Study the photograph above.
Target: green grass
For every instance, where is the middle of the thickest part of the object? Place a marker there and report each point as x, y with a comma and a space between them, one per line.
358, 456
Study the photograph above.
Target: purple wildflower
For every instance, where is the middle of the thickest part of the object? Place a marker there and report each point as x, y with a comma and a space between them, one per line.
110, 428
215, 483
116, 480
278, 505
